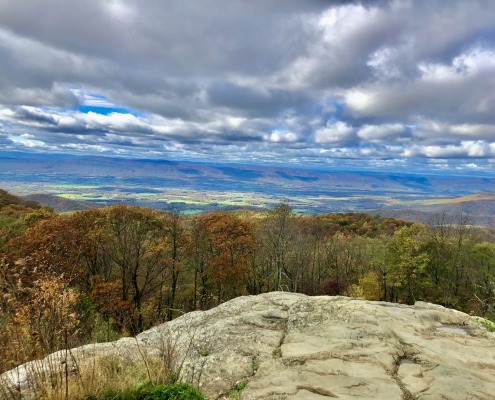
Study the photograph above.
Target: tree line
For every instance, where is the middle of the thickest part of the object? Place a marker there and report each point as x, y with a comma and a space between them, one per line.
98, 274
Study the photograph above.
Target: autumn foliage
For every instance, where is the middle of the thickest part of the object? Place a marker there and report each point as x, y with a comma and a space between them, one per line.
72, 279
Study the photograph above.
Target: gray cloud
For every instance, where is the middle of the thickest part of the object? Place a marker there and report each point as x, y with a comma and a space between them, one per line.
5, 141
306, 81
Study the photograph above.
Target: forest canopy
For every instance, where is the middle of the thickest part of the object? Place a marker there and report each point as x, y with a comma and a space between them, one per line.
96, 275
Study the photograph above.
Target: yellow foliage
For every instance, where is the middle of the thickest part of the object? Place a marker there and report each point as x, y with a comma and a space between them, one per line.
42, 325
368, 287
355, 291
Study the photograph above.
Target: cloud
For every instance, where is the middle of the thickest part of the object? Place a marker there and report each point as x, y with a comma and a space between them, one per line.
305, 81
334, 132
466, 131
28, 143
383, 133
5, 141
475, 149
280, 136
457, 92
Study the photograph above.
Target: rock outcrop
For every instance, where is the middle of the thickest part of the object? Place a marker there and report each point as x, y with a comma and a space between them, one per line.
291, 346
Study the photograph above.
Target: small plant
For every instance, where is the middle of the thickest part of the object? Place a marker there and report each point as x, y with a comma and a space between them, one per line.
205, 353
130, 394
173, 392
489, 325
149, 392
255, 364
103, 330
236, 392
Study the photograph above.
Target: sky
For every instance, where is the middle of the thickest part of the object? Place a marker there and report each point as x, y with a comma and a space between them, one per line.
397, 84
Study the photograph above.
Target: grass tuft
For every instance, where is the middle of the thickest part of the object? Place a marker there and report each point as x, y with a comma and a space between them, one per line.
236, 392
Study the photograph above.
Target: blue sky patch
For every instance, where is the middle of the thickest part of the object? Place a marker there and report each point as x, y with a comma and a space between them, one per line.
105, 110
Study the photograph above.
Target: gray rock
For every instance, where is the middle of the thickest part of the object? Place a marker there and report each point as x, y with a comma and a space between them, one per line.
290, 346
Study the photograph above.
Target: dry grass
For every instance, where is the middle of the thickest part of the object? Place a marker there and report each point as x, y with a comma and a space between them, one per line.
56, 379
111, 374
176, 355
90, 372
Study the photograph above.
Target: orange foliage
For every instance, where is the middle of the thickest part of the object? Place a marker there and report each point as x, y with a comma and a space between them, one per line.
50, 247
106, 297
230, 239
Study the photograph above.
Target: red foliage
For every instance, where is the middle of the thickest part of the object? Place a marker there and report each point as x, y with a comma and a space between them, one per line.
331, 287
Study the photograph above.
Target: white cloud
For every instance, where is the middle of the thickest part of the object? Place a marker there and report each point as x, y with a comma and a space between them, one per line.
119, 9
282, 136
379, 133
26, 142
92, 99
474, 149
384, 63
465, 65
360, 100
334, 132
484, 131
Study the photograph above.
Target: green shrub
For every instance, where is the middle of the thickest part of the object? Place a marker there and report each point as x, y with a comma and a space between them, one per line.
160, 392
173, 392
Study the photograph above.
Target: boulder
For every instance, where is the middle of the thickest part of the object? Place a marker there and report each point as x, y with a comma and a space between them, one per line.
290, 346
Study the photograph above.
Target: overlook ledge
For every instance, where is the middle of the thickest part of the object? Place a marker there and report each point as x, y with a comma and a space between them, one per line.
292, 346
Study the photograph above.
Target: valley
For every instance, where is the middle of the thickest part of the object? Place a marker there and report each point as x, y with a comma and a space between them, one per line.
195, 188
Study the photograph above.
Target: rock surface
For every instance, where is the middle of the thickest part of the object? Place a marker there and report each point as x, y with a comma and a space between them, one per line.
291, 346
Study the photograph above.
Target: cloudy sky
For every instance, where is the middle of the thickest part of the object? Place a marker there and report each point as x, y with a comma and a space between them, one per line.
378, 84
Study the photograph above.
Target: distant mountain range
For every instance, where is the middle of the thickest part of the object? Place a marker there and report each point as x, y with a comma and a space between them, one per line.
478, 208
59, 204
196, 187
